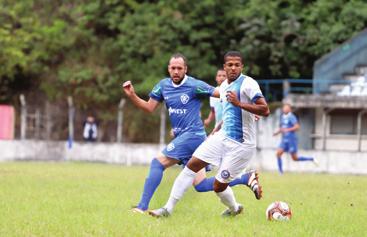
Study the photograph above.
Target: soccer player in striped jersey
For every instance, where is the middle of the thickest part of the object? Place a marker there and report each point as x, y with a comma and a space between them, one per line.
232, 148
181, 94
288, 126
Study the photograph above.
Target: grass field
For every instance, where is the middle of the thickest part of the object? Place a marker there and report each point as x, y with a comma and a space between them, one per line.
81, 199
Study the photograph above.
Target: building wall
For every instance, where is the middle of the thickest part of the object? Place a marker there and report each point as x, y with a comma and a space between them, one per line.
267, 126
141, 154
335, 142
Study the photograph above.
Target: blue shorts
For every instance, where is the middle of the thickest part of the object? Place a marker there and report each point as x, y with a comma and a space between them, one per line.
182, 147
289, 146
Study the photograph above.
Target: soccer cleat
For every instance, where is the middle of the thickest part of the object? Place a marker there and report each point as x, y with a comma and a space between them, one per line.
136, 209
229, 213
161, 212
254, 185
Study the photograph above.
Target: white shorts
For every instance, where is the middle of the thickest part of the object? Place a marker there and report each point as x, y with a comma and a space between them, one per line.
229, 155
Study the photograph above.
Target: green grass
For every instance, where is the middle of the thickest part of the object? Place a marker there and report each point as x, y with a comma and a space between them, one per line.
80, 199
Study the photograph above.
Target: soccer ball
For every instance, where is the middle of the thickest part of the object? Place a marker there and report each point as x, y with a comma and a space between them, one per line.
279, 211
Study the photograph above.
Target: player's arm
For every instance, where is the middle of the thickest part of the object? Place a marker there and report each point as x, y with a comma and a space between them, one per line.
277, 132
216, 93
217, 128
260, 107
291, 129
210, 117
147, 106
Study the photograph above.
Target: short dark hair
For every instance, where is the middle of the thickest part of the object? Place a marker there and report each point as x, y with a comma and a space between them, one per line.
233, 54
178, 55
288, 104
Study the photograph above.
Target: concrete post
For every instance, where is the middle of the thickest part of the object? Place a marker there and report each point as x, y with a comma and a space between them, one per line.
71, 121
37, 118
120, 117
325, 123
359, 127
162, 133
48, 121
23, 117
286, 88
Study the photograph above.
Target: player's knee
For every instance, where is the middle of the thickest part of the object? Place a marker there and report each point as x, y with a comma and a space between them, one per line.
195, 164
219, 187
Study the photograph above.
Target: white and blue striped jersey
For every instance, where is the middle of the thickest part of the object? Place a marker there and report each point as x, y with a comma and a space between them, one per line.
239, 124
183, 103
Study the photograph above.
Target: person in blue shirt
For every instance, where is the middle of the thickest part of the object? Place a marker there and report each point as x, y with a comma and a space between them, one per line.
181, 94
288, 126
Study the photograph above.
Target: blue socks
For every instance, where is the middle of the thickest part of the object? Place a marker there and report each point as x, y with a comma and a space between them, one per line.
242, 180
207, 184
151, 183
302, 158
280, 165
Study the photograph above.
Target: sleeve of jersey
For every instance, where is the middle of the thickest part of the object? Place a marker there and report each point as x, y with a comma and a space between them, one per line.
252, 90
156, 93
203, 89
294, 119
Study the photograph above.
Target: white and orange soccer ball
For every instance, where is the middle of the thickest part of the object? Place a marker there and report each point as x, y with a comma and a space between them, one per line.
279, 211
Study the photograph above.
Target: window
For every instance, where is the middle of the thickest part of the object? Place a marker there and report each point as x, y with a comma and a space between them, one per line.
343, 122
364, 124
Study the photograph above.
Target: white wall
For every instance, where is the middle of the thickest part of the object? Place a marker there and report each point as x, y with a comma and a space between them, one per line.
265, 129
141, 154
126, 153
336, 162
335, 142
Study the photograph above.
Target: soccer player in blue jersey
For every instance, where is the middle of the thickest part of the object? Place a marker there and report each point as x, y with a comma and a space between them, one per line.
233, 146
215, 104
181, 94
288, 126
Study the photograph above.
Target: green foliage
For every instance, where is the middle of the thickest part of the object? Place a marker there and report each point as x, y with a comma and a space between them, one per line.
88, 48
99, 44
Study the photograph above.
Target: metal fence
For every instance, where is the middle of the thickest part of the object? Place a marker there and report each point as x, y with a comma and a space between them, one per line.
63, 121
277, 89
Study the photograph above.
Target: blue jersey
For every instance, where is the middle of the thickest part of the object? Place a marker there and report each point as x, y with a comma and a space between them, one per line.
239, 124
288, 121
183, 103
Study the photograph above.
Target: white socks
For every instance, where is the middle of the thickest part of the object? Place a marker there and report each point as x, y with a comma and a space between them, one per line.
183, 181
228, 199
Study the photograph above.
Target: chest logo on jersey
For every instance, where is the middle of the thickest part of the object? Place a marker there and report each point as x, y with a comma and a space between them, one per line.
176, 111
170, 147
184, 98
